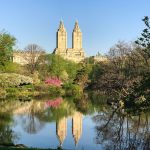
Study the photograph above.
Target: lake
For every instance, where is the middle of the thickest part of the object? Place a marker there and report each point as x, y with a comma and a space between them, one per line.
83, 124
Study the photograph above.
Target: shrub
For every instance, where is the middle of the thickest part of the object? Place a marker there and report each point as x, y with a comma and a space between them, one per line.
12, 90
64, 76
12, 68
14, 80
55, 91
35, 77
41, 87
2, 93
21, 93
53, 81
72, 89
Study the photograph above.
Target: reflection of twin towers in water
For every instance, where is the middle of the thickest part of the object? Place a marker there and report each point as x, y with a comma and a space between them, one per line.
61, 128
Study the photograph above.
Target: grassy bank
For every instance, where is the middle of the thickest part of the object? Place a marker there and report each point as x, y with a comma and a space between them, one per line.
8, 148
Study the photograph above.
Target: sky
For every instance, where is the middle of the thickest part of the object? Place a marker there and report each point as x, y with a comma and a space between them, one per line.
102, 22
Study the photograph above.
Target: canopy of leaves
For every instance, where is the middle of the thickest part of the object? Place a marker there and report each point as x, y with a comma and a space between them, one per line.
6, 48
54, 65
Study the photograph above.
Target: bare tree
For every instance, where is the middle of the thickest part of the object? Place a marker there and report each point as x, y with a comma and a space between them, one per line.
119, 132
120, 50
31, 54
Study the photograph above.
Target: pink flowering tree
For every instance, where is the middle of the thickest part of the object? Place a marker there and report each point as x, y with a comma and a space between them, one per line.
54, 103
53, 81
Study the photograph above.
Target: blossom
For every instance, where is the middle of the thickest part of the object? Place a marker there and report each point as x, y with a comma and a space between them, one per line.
13, 79
53, 81
54, 103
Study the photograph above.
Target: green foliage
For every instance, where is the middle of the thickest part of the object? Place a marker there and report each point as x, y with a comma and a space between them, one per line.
17, 148
89, 60
126, 76
6, 48
89, 103
12, 90
64, 76
96, 71
2, 93
35, 77
138, 98
82, 77
11, 68
25, 92
12, 93
97, 99
72, 90
14, 80
55, 91
54, 65
144, 40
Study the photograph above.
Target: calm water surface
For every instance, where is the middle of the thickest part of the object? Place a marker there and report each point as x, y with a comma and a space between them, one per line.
60, 122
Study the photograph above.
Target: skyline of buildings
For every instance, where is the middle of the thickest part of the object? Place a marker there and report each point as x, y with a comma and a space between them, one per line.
103, 23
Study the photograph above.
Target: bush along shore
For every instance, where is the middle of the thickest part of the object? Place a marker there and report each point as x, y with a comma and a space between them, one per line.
15, 85
22, 87
124, 77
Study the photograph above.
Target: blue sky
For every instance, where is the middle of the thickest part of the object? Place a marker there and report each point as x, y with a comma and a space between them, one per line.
103, 22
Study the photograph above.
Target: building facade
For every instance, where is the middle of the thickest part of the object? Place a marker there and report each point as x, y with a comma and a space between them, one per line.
76, 53
24, 58
20, 57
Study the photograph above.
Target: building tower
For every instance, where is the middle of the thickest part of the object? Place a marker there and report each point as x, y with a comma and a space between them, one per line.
77, 126
76, 53
76, 37
61, 40
61, 130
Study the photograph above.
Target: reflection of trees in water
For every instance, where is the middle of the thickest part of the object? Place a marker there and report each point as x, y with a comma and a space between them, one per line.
33, 115
7, 135
89, 103
82, 104
30, 120
66, 108
31, 124
116, 131
27, 111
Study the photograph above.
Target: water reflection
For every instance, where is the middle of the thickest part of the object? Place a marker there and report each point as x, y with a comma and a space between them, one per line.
81, 124
33, 115
77, 126
117, 131
7, 135
61, 128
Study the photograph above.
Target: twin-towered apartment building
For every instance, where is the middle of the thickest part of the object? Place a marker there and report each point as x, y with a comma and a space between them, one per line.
75, 54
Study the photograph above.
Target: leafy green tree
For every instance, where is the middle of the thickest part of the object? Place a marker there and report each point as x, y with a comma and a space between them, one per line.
82, 77
144, 41
7, 42
54, 65
138, 96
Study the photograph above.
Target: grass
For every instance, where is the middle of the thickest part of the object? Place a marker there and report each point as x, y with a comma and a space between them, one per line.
10, 148
16, 148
